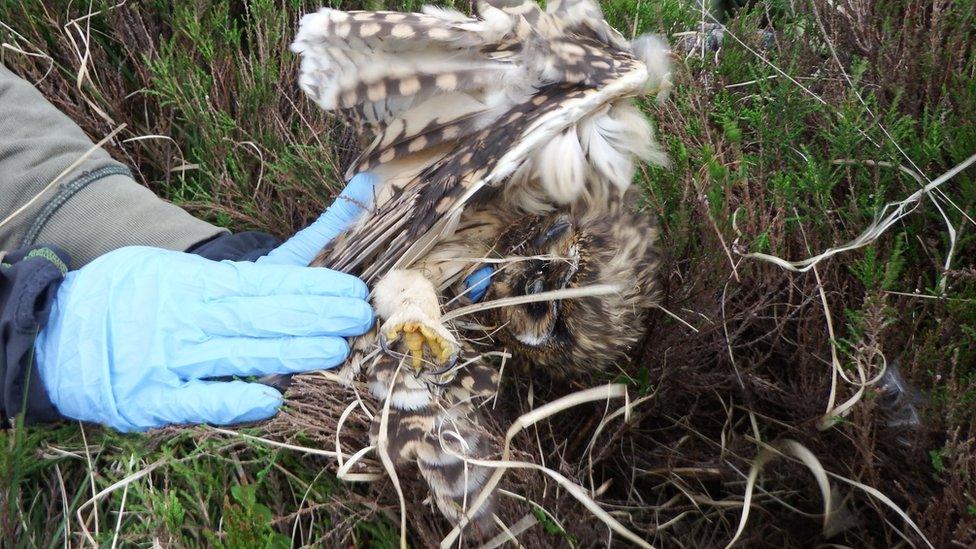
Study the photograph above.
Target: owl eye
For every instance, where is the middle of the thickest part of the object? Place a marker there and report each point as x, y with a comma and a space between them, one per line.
557, 230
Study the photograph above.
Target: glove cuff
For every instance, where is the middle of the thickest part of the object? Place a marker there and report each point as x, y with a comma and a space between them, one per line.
29, 281
245, 246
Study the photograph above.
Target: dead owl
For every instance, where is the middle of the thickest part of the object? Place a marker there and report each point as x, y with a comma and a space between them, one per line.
509, 134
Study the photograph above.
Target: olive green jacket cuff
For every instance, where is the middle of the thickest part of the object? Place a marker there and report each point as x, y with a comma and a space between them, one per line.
96, 208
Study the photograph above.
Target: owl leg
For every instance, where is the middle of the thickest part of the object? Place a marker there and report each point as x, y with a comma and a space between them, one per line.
407, 302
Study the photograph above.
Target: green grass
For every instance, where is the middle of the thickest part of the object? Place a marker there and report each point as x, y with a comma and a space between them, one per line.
754, 159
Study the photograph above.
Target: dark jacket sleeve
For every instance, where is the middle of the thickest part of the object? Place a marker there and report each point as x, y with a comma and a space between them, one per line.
29, 281
245, 246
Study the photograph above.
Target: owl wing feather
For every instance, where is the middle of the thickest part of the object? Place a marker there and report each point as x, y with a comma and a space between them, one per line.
484, 159
585, 17
469, 101
383, 68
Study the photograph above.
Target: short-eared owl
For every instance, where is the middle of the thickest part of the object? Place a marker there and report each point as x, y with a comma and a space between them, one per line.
508, 135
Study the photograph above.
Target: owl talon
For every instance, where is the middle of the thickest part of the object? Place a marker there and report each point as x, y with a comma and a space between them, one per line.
450, 365
384, 342
417, 335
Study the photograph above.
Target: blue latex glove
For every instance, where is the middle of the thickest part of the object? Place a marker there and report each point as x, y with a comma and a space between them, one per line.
302, 248
132, 335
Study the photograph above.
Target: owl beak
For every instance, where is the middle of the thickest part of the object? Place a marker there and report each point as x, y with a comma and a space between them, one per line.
538, 309
534, 287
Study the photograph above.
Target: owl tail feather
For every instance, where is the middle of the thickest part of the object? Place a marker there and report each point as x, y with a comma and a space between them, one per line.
439, 431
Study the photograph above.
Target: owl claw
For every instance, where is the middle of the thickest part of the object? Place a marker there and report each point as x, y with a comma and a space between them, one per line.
451, 363
416, 335
384, 342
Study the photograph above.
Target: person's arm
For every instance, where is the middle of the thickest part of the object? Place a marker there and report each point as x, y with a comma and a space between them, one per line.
99, 247
29, 282
133, 339
97, 208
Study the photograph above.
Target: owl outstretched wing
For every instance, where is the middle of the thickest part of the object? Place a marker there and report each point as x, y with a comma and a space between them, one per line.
529, 106
462, 107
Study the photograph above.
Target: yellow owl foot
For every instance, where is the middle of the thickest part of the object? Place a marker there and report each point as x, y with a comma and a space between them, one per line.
416, 336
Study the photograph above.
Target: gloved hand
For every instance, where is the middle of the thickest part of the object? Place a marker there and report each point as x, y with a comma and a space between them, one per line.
302, 248
132, 335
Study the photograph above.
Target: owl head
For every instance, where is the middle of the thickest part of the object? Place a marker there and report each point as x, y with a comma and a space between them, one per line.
569, 249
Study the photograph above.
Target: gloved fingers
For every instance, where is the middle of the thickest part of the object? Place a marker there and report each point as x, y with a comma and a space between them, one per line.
245, 356
302, 248
284, 315
477, 283
250, 279
214, 402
